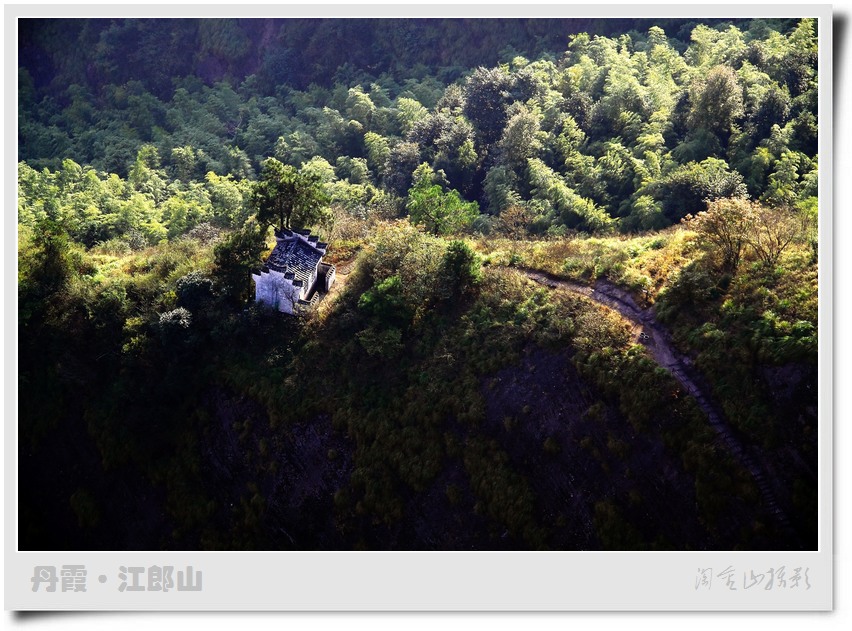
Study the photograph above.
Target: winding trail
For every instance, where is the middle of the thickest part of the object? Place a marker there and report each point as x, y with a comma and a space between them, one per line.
648, 332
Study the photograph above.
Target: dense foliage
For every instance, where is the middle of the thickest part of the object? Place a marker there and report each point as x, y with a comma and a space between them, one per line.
633, 131
678, 164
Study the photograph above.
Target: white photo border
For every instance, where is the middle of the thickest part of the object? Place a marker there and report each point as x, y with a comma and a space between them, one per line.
429, 581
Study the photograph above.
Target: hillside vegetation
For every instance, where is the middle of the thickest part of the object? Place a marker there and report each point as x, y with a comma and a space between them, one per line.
438, 397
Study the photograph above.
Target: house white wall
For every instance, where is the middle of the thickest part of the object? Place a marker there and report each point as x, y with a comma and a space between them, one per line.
278, 290
273, 289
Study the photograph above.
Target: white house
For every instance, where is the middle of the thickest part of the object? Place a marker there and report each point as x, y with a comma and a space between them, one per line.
294, 273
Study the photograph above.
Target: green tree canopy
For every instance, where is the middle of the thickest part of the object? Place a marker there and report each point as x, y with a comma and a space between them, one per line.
717, 102
285, 196
234, 259
440, 212
687, 189
486, 95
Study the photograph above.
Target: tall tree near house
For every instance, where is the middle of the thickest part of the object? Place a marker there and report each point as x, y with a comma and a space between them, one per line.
285, 196
234, 258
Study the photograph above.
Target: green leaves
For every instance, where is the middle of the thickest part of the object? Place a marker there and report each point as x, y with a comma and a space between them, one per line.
235, 256
386, 302
440, 212
717, 102
286, 196
461, 268
573, 209
687, 189
486, 95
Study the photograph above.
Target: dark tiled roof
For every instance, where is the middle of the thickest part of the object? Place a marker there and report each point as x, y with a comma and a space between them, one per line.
296, 257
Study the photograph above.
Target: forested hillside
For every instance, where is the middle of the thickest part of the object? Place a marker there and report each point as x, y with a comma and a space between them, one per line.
456, 389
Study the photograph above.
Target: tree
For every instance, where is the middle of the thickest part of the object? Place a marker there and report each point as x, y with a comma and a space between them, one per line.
378, 152
145, 174
772, 109
725, 224
515, 221
296, 147
227, 200
184, 161
574, 210
353, 170
426, 132
287, 196
409, 112
687, 189
386, 302
360, 107
174, 327
451, 101
774, 230
237, 163
456, 154
717, 102
615, 171
193, 291
45, 269
234, 259
486, 95
736, 223
185, 210
461, 268
402, 161
440, 212
784, 184
499, 189
521, 138
645, 214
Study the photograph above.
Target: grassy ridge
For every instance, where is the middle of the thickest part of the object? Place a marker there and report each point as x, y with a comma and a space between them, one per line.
404, 385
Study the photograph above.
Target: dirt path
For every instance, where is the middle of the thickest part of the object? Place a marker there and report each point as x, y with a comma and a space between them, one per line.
648, 332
